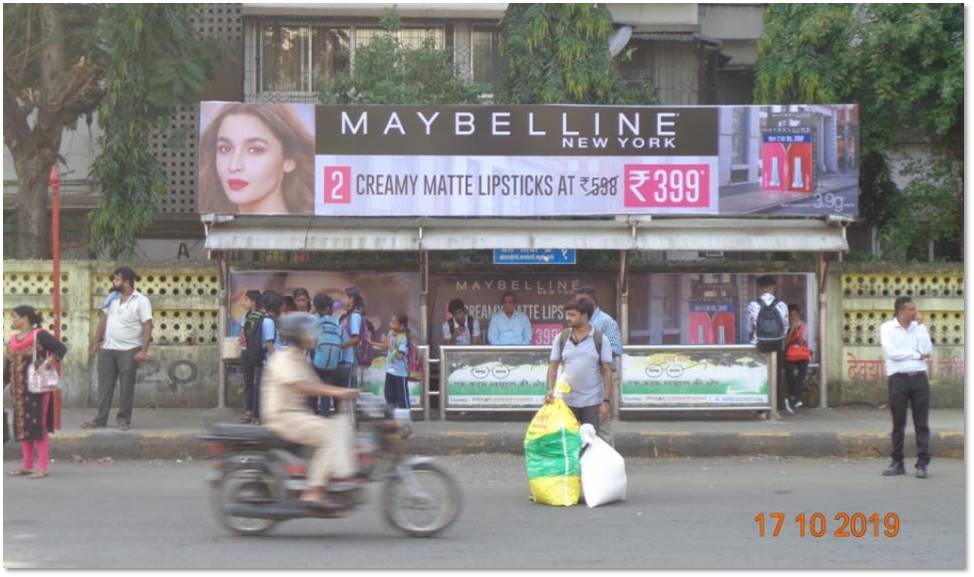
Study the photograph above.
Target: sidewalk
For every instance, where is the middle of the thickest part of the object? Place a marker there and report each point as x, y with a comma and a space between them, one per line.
846, 432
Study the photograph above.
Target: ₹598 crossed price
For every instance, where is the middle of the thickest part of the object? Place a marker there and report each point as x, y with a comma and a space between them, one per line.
667, 185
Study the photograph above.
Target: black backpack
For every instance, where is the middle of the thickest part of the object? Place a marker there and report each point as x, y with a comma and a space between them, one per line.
453, 325
769, 329
256, 349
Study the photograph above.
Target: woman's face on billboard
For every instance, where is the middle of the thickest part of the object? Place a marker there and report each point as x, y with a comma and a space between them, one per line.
251, 164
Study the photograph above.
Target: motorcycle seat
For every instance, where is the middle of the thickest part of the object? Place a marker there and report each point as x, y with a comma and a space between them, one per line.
250, 433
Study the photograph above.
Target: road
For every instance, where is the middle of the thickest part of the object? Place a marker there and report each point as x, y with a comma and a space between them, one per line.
681, 513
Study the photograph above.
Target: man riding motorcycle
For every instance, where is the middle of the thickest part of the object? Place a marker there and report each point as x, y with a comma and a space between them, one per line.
287, 380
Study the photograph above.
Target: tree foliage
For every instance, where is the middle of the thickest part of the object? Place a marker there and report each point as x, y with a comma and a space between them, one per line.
387, 71
62, 62
559, 54
903, 64
156, 62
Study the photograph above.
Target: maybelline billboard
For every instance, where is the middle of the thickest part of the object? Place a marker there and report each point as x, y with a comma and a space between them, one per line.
497, 161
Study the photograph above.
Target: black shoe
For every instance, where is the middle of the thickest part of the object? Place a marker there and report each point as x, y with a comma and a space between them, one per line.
894, 469
921, 471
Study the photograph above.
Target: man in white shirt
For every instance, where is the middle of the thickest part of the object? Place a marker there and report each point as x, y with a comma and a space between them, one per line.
122, 344
906, 348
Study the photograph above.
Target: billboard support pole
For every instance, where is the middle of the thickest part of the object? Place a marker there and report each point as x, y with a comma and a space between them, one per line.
221, 396
623, 292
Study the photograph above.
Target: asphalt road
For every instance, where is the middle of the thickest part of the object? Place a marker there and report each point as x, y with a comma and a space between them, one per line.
681, 513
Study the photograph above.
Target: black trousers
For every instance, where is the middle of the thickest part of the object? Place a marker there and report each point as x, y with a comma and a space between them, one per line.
251, 379
914, 390
795, 377
397, 391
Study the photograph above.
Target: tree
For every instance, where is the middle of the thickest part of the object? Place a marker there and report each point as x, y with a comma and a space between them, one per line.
559, 54
132, 63
387, 71
904, 65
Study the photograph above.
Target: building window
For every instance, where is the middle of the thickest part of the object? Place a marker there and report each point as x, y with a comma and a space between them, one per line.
410, 37
486, 65
284, 59
330, 55
299, 58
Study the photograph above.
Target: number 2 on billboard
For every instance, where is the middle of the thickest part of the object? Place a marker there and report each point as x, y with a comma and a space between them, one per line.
338, 189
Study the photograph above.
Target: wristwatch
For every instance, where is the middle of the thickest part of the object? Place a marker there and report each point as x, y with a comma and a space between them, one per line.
607, 401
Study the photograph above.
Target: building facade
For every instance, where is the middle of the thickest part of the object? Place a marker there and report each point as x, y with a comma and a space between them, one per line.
280, 52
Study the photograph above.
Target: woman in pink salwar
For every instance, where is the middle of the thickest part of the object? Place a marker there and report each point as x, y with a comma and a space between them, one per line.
33, 413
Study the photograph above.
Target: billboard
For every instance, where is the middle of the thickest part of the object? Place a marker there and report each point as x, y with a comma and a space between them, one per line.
551, 160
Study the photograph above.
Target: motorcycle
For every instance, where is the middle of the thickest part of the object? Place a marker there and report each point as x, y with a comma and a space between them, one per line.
259, 477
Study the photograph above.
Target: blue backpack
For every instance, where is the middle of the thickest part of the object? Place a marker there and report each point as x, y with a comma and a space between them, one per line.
328, 349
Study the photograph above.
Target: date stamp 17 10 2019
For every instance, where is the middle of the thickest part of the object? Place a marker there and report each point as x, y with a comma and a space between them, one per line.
843, 526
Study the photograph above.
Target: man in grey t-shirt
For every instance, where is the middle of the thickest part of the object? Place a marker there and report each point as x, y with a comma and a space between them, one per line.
587, 365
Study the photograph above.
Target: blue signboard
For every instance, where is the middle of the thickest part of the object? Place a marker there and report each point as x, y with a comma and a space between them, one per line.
534, 256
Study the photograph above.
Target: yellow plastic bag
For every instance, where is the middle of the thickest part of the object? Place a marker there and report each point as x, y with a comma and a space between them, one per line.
551, 448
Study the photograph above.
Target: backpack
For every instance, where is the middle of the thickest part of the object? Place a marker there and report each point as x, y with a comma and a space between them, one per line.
453, 325
328, 348
364, 351
769, 329
414, 359
567, 333
256, 350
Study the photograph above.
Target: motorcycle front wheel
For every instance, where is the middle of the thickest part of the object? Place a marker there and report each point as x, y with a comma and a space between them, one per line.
421, 502
243, 486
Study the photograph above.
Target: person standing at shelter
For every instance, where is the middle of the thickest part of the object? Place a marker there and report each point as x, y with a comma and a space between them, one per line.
768, 324
252, 353
608, 326
327, 351
122, 344
461, 328
302, 300
269, 341
509, 326
352, 324
586, 356
797, 356
906, 348
396, 345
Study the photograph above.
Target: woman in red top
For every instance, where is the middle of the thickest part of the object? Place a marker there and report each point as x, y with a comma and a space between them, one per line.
33, 413
797, 355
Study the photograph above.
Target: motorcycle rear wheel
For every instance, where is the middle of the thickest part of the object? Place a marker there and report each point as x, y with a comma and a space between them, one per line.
243, 485
401, 497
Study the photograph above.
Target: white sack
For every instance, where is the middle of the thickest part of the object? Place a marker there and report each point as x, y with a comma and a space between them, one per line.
603, 470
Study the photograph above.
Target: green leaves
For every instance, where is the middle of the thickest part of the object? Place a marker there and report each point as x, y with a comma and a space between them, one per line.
903, 64
559, 53
154, 62
389, 72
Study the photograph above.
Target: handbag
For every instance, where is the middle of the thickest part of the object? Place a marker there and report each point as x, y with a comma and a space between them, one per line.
41, 380
796, 353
